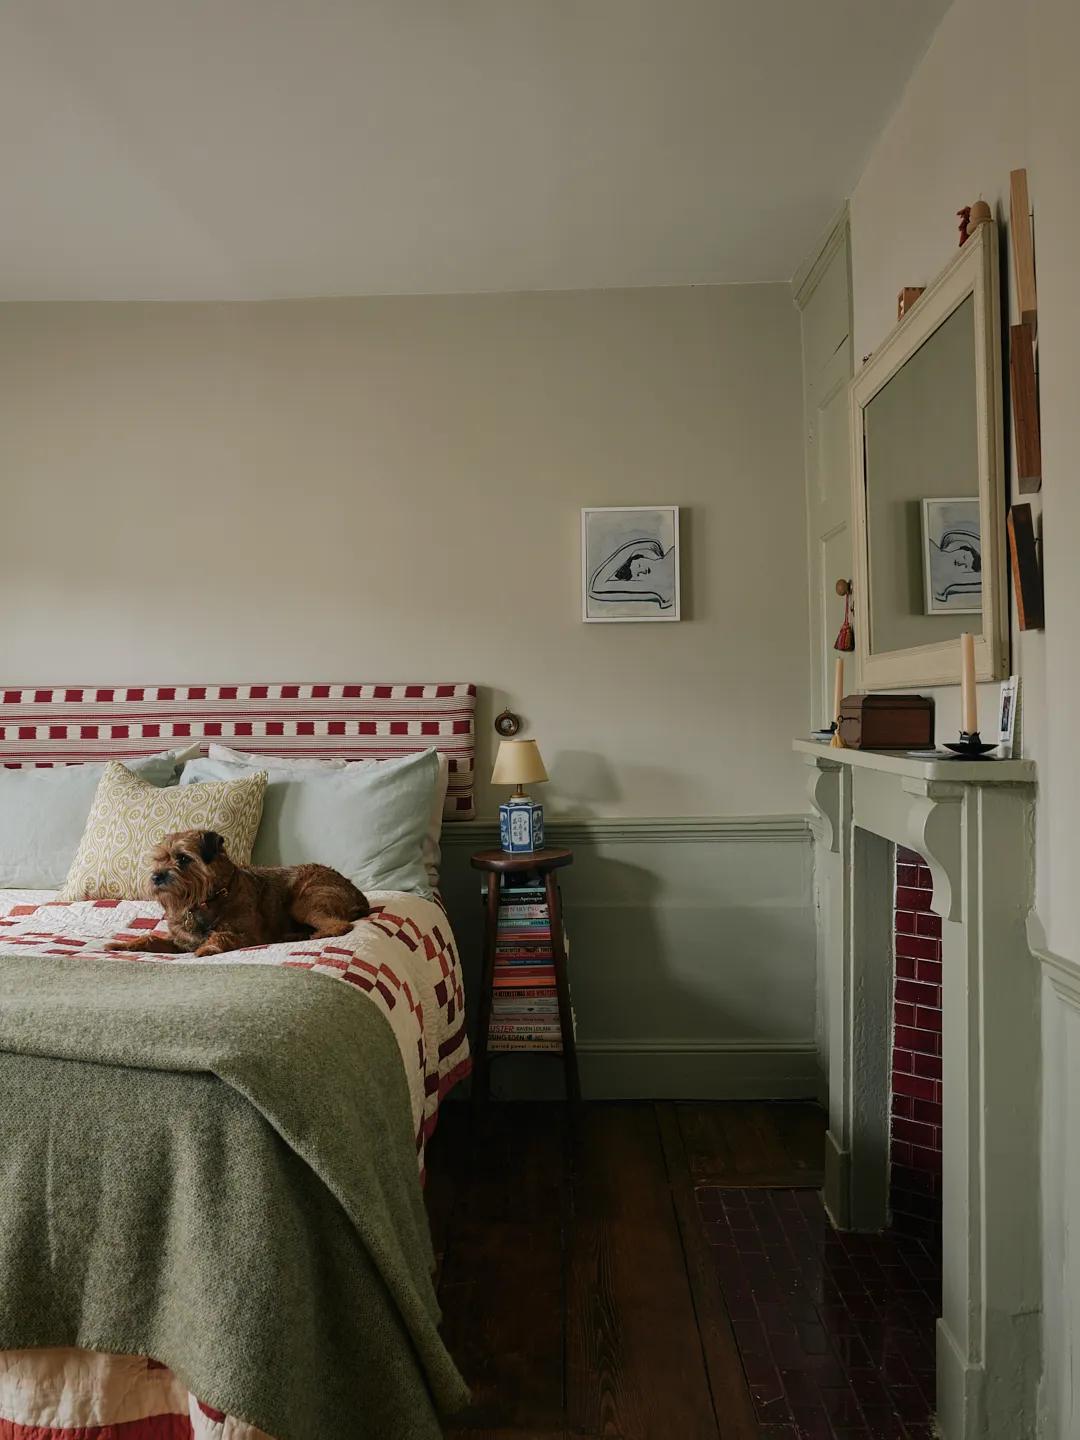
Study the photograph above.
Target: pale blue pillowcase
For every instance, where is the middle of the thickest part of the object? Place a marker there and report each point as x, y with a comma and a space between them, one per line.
43, 814
368, 822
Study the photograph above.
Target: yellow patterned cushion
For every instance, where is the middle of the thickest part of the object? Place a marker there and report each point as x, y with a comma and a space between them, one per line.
129, 817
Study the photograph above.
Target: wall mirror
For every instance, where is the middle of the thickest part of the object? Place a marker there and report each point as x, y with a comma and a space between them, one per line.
928, 476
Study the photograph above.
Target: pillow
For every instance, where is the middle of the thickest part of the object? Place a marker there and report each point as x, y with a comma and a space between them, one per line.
275, 762
43, 814
366, 820
129, 817
431, 846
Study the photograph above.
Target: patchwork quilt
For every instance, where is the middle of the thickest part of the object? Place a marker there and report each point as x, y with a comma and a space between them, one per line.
402, 958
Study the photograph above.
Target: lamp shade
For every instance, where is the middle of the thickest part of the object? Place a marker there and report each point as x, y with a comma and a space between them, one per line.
518, 763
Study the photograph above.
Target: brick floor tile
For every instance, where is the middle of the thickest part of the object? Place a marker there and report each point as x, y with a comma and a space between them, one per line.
835, 1331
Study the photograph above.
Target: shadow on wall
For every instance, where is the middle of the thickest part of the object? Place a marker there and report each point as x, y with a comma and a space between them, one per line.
587, 784
588, 777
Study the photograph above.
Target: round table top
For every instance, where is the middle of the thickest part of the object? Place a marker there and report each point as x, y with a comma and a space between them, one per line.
502, 863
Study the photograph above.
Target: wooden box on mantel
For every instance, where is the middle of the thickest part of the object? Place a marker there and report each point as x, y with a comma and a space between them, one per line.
887, 722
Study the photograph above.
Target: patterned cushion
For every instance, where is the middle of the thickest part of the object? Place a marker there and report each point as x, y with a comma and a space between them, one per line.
129, 817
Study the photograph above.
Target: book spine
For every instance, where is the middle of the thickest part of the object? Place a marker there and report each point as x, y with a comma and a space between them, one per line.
529, 992
507, 1005
523, 1032
499, 1044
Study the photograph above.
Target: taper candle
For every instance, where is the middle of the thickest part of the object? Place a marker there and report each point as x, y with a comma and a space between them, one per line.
838, 688
969, 709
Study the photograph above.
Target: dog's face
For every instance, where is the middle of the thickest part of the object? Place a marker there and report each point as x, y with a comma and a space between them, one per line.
187, 868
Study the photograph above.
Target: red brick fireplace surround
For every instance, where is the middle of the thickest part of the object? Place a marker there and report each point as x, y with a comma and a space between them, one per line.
916, 1108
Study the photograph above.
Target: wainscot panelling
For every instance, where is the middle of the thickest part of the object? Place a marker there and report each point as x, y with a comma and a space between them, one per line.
1059, 1402
691, 955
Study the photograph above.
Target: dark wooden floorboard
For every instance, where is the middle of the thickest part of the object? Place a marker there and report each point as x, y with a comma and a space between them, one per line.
502, 1277
634, 1365
579, 1296
803, 1130
750, 1143
447, 1171
509, 1435
731, 1398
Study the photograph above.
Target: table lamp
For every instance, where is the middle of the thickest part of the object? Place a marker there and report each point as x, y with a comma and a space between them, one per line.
521, 822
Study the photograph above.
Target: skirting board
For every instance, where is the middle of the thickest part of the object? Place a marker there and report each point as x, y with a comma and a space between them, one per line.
959, 1390
837, 1177
724, 1070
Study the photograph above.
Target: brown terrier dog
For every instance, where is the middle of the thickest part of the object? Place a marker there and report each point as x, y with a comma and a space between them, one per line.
213, 905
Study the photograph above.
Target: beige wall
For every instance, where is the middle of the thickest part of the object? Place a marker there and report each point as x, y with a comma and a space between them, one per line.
1054, 143
955, 136
390, 489
996, 90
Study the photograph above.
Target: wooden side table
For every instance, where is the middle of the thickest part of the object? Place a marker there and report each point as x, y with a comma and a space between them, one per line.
495, 864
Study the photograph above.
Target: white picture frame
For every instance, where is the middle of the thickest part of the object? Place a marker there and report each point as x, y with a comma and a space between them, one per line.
973, 271
1008, 704
952, 555
630, 563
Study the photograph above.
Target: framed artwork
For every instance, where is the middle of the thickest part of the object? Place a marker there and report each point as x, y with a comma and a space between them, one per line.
952, 556
1027, 577
1010, 700
630, 563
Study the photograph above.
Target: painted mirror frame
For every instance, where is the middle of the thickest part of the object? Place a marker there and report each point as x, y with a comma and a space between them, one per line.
972, 272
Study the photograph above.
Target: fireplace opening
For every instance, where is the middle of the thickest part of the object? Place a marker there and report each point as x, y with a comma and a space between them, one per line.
915, 1148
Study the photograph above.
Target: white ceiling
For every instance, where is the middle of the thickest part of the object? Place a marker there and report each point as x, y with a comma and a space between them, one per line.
176, 149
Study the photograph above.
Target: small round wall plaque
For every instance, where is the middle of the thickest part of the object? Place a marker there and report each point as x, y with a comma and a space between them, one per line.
507, 723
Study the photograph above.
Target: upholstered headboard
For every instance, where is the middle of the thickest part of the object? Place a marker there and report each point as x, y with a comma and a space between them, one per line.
62, 724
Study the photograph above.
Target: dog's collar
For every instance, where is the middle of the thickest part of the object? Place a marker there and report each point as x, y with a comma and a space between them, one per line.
219, 894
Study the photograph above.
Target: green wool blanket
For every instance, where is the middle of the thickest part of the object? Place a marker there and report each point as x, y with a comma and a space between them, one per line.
214, 1166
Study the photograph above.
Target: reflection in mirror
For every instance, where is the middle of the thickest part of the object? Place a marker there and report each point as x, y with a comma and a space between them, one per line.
922, 493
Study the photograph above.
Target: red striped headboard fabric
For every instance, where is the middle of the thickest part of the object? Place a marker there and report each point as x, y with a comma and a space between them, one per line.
41, 725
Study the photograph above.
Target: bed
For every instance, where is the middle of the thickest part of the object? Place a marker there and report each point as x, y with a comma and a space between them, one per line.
285, 1093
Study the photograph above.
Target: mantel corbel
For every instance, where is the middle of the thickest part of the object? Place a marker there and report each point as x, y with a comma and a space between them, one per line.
934, 822
824, 789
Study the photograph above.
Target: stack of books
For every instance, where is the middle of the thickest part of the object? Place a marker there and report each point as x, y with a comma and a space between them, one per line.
524, 1003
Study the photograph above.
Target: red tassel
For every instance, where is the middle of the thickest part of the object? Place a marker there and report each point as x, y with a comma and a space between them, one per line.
846, 638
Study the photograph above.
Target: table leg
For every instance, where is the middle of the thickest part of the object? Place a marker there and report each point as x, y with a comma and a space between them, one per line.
562, 986
481, 1086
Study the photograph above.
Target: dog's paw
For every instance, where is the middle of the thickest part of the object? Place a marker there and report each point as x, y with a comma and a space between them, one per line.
213, 947
332, 929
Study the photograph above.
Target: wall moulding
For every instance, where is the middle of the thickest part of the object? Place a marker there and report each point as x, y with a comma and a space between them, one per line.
646, 830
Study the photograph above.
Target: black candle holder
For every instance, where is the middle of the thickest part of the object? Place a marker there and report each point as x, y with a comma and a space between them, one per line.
970, 747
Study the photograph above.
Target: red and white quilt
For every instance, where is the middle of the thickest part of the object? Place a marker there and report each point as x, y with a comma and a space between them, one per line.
402, 957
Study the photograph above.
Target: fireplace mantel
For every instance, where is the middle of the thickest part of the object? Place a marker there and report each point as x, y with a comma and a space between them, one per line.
974, 823
898, 762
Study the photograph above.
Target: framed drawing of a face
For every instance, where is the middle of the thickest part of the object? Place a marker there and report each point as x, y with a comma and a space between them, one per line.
630, 563
952, 556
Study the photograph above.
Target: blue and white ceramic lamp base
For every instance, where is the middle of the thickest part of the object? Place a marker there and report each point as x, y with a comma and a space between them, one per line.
521, 827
